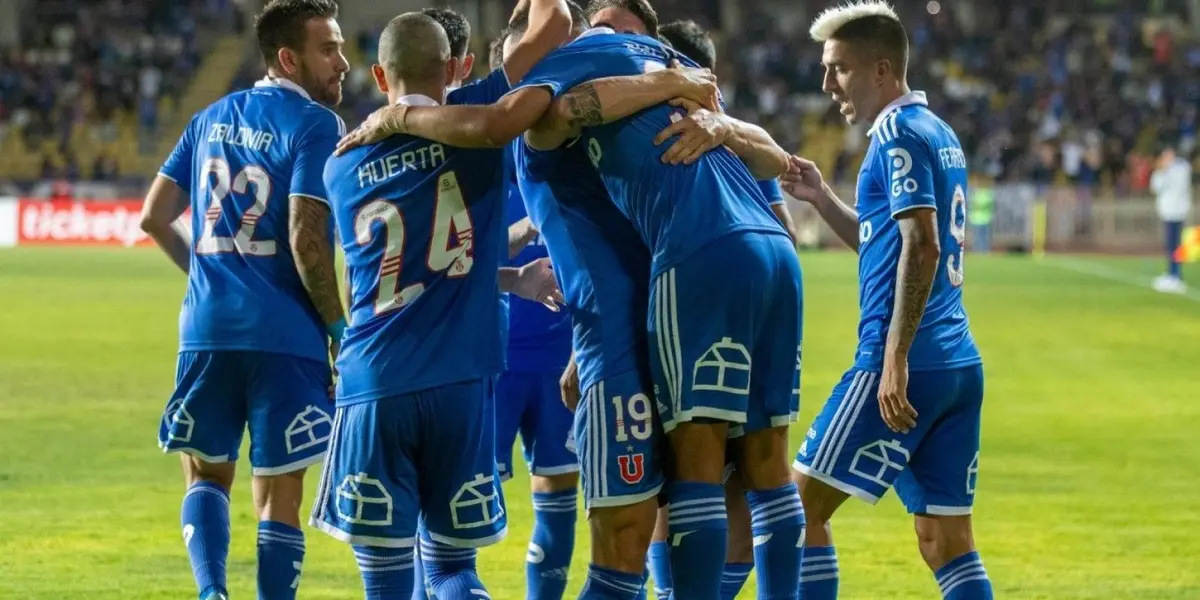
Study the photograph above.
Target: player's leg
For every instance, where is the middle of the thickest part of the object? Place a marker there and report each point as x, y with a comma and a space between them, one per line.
290, 425
461, 497
848, 451
739, 555
204, 421
771, 298
555, 478
368, 496
697, 399
939, 486
619, 447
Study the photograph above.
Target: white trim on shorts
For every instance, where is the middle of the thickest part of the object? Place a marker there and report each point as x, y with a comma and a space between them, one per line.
472, 543
216, 460
946, 511
552, 471
618, 501
837, 484
291, 467
360, 540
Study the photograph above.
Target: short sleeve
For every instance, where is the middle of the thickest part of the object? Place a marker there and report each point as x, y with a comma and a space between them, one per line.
485, 91
312, 147
770, 188
179, 164
560, 71
909, 165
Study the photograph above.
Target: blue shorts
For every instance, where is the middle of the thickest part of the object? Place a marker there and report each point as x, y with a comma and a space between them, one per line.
933, 466
725, 330
532, 404
426, 454
282, 399
620, 442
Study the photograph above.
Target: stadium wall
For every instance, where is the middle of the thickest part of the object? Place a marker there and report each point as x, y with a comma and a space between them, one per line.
26, 222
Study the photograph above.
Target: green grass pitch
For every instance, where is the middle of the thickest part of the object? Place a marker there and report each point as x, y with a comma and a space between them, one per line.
1089, 481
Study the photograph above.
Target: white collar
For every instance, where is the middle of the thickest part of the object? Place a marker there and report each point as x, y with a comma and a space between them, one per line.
280, 82
595, 31
914, 97
416, 100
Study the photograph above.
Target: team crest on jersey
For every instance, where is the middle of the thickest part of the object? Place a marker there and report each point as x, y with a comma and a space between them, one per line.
633, 467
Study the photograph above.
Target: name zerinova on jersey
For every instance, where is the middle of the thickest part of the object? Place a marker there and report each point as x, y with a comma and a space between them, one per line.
422, 158
245, 137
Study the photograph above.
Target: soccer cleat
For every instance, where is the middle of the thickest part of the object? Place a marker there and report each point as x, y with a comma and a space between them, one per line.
216, 596
1170, 285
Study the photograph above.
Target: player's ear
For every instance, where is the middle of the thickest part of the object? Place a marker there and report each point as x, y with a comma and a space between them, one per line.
451, 71
288, 60
380, 78
468, 65
882, 69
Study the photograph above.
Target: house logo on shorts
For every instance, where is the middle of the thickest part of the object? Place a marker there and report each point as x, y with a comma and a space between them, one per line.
477, 504
178, 422
310, 428
362, 500
725, 367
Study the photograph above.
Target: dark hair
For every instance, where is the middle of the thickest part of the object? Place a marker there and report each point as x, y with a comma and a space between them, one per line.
883, 37
640, 9
691, 40
284, 24
458, 29
520, 22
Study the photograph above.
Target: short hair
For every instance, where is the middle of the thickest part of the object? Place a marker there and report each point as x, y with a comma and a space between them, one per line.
868, 24
520, 21
496, 52
458, 29
640, 9
413, 47
692, 40
284, 24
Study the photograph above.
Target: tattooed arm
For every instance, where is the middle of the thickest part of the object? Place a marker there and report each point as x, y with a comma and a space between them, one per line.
920, 255
610, 99
312, 250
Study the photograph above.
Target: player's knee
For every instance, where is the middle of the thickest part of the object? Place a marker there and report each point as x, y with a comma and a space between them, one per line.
762, 458
551, 484
621, 535
943, 538
820, 499
278, 497
196, 470
699, 451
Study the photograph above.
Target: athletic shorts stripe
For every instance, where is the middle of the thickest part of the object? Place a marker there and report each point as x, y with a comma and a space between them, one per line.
326, 474
843, 422
670, 352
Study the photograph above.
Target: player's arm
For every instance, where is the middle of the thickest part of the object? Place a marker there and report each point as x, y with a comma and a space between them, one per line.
610, 99
920, 255
534, 281
549, 27
774, 195
165, 203
313, 253
805, 182
519, 235
704, 129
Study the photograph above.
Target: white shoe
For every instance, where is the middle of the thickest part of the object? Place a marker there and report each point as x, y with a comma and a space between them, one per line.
1168, 284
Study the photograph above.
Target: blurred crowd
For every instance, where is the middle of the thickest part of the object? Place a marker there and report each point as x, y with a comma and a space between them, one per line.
86, 72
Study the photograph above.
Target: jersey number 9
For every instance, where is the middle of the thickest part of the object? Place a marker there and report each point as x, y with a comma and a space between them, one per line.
450, 215
958, 230
242, 242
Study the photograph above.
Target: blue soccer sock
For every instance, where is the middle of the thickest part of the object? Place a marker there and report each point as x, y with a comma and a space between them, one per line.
420, 585
608, 584
387, 573
659, 558
819, 573
964, 578
205, 520
450, 571
549, 557
280, 559
734, 579
698, 530
777, 522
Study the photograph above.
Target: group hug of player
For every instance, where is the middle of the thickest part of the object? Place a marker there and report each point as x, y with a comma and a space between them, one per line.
597, 154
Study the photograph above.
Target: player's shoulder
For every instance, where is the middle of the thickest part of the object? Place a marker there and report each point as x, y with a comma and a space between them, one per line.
911, 119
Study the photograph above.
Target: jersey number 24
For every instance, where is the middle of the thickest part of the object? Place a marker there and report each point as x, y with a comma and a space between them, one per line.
456, 260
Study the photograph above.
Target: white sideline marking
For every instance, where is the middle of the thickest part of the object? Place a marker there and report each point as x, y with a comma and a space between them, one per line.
1111, 274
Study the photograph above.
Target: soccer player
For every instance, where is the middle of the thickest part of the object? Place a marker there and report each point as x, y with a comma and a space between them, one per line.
916, 357
725, 224
423, 232
458, 33
262, 315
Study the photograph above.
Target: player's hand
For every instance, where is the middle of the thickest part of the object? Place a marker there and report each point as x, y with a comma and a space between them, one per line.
696, 85
568, 385
335, 348
382, 124
897, 412
536, 282
803, 180
698, 132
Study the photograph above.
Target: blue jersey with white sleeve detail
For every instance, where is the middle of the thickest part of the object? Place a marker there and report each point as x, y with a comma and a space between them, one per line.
601, 264
539, 340
676, 209
914, 160
240, 159
422, 227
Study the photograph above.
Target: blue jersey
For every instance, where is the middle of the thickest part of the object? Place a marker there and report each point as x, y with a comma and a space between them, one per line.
914, 161
422, 227
601, 263
676, 209
240, 159
539, 340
